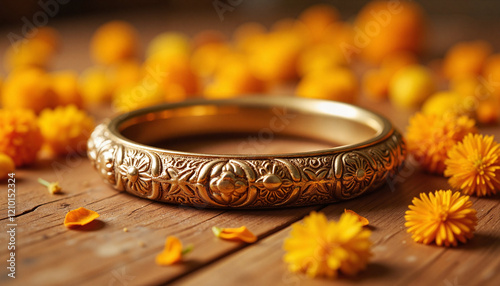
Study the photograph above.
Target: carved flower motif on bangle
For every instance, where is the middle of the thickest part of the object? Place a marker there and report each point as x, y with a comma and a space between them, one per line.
358, 173
228, 183
134, 170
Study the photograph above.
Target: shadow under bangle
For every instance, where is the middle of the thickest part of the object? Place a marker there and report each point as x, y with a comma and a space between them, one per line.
133, 152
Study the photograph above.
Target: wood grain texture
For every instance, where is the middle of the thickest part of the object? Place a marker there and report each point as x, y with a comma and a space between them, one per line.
103, 254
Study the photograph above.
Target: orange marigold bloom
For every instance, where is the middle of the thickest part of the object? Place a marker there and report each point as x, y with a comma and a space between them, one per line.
20, 136
473, 165
442, 217
429, 137
28, 88
114, 42
80, 216
65, 129
239, 234
172, 252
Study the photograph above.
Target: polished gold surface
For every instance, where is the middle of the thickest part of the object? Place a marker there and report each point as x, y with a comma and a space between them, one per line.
342, 152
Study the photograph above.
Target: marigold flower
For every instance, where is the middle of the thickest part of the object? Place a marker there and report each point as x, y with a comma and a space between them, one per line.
28, 53
20, 135
233, 78
442, 217
80, 216
135, 97
363, 220
473, 165
466, 58
95, 85
65, 129
410, 86
168, 45
114, 42
239, 234
7, 166
28, 88
65, 85
172, 252
320, 247
429, 137
339, 84
53, 187
443, 102
273, 57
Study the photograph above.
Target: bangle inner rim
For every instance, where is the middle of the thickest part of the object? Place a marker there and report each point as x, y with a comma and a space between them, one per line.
254, 126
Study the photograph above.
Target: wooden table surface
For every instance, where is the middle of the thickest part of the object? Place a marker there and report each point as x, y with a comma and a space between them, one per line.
47, 253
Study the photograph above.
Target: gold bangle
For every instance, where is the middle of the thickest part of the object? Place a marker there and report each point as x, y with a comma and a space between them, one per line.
127, 153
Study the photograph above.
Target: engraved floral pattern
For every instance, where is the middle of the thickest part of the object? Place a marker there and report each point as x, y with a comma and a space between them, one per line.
358, 174
135, 172
228, 183
274, 182
105, 163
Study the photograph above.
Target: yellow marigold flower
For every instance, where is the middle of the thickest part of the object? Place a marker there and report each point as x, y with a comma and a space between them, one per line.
168, 45
320, 247
114, 42
20, 136
65, 129
411, 86
429, 137
65, 85
95, 85
7, 166
443, 102
233, 78
172, 252
339, 84
241, 233
28, 88
28, 53
442, 217
53, 187
80, 216
473, 165
137, 96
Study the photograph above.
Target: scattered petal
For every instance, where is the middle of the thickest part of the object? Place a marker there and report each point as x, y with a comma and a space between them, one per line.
237, 234
80, 216
173, 252
363, 220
